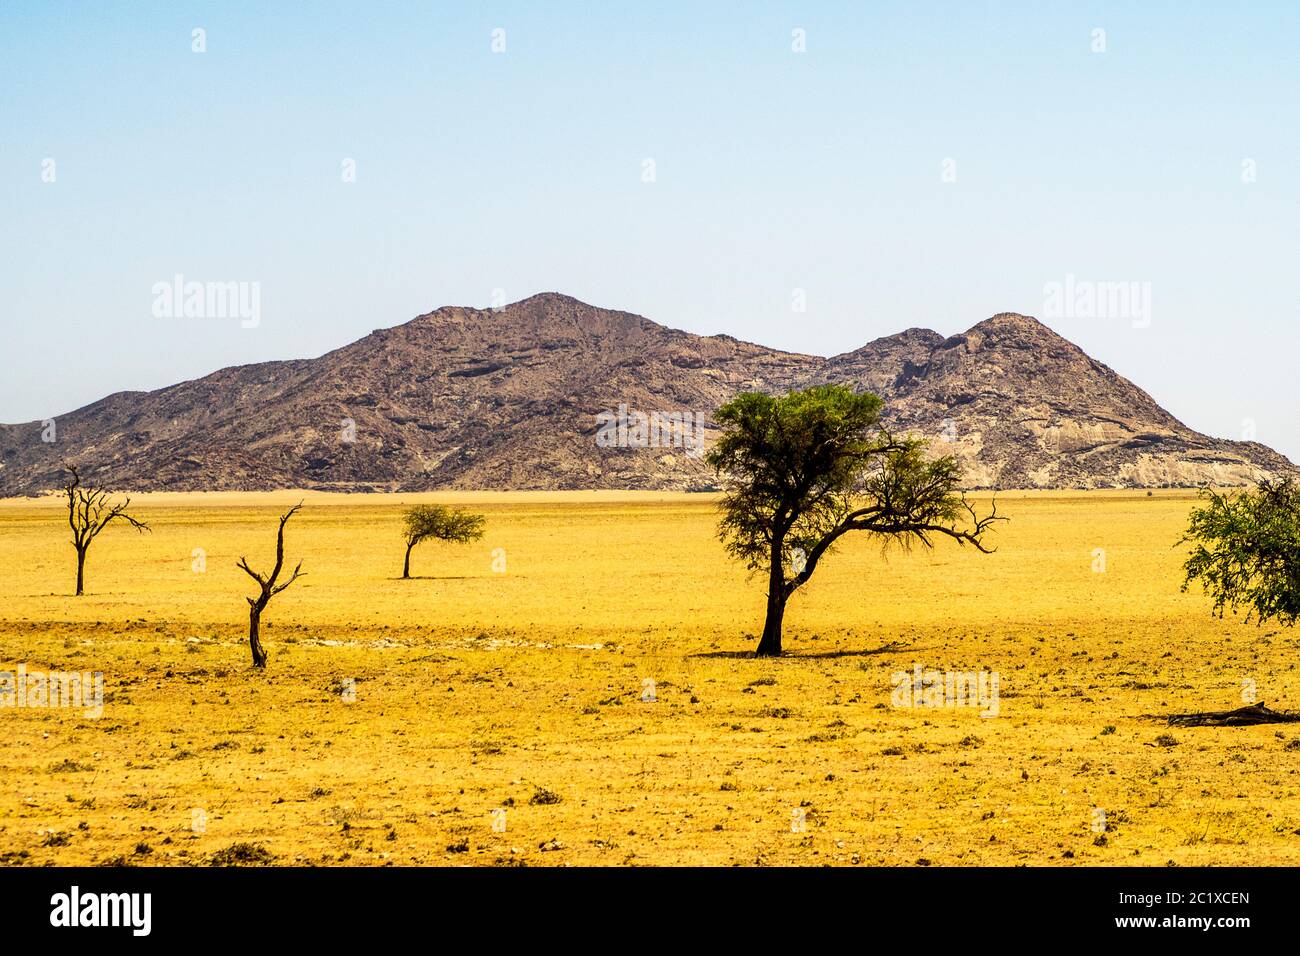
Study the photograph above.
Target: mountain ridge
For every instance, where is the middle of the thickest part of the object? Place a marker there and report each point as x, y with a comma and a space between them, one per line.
509, 398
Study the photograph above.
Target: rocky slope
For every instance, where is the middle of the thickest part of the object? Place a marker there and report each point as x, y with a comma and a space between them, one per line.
512, 398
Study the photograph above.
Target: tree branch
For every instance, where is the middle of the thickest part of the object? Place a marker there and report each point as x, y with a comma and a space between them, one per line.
297, 573
243, 563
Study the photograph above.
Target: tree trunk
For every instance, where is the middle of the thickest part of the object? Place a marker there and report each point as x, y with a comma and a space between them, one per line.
770, 644
81, 571
406, 568
254, 637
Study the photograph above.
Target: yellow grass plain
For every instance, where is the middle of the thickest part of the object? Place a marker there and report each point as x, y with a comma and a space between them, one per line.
480, 716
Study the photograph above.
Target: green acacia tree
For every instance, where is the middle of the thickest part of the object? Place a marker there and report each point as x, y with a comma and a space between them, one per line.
802, 470
1246, 550
443, 524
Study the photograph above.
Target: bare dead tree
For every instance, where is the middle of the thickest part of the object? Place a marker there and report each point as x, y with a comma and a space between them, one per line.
90, 511
270, 588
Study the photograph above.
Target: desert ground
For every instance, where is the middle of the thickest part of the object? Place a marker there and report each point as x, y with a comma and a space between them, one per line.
577, 688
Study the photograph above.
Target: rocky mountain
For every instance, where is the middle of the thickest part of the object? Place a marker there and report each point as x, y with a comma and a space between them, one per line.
548, 393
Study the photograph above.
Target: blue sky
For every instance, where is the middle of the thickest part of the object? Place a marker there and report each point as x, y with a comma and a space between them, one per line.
522, 171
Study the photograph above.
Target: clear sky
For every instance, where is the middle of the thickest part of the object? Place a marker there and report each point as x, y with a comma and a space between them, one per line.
1170, 159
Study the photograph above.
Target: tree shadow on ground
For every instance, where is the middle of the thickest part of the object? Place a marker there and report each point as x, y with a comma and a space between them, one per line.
433, 577
823, 655
866, 652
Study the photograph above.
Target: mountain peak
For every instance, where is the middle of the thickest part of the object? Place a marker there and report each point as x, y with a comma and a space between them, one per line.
552, 300
1010, 318
1014, 322
541, 303
1013, 331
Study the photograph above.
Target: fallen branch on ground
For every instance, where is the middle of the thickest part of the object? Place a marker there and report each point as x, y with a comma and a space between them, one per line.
1241, 717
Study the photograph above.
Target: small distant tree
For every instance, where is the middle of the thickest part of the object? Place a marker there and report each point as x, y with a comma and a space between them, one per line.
1246, 550
443, 524
802, 470
90, 511
269, 588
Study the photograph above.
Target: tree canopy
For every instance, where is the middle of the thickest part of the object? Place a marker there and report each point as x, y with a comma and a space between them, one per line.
1246, 550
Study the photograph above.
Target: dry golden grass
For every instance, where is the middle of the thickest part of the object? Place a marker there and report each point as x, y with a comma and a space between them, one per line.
478, 691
